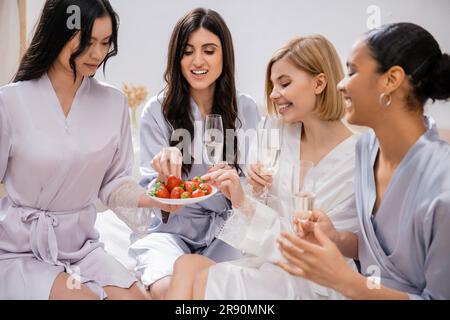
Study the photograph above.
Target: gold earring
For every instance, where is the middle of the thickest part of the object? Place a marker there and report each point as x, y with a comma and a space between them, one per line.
385, 99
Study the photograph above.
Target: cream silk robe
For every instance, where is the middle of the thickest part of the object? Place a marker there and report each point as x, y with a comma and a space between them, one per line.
255, 276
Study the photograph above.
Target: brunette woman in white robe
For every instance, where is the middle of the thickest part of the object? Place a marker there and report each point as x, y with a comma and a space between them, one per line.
301, 85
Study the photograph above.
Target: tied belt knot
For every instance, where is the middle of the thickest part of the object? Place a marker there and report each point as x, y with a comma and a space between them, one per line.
43, 240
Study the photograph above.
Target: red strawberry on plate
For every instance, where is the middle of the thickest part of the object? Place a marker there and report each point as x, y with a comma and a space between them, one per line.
190, 186
160, 190
173, 182
176, 193
198, 193
207, 189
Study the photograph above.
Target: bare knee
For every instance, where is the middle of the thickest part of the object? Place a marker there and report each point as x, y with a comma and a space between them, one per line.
184, 262
135, 292
138, 292
66, 288
199, 289
158, 289
191, 262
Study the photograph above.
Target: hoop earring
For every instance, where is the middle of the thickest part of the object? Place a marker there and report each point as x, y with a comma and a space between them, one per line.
383, 101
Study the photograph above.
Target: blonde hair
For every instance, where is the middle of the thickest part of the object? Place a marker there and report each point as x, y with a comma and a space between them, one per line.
313, 54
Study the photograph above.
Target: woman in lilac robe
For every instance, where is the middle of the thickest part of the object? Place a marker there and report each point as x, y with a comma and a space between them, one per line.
57, 157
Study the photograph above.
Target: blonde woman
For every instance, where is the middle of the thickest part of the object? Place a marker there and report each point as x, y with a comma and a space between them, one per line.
301, 84
402, 176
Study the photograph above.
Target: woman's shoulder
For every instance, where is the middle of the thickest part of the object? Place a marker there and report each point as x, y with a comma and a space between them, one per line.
365, 141
248, 110
106, 96
245, 100
15, 87
153, 107
105, 89
12, 95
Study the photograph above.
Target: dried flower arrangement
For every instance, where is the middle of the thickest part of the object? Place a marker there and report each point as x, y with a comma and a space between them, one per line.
135, 96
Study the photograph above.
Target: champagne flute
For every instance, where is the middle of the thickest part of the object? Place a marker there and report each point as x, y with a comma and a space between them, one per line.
213, 139
304, 190
269, 147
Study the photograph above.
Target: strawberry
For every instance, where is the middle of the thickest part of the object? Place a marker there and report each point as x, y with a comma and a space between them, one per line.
159, 190
190, 186
207, 189
176, 193
173, 182
198, 179
198, 193
185, 195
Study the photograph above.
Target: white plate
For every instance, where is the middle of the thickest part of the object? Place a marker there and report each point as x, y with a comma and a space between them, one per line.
181, 202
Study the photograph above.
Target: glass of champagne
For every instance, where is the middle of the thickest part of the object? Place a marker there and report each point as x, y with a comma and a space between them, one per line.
304, 190
269, 147
213, 138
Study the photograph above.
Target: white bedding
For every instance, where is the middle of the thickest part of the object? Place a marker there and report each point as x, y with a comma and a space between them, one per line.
115, 234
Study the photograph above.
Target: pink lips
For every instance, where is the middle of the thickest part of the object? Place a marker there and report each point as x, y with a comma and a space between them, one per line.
92, 66
284, 109
198, 76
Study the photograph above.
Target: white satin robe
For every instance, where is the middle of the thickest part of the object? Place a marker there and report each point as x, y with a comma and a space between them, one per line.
256, 277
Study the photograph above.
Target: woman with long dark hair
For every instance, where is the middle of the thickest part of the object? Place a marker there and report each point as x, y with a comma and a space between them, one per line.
64, 143
200, 81
301, 79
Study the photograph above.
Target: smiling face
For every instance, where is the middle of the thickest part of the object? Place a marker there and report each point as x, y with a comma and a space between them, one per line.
294, 91
202, 61
362, 86
88, 62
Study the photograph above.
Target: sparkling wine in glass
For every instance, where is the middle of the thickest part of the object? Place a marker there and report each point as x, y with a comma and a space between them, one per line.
213, 139
269, 144
269, 147
304, 191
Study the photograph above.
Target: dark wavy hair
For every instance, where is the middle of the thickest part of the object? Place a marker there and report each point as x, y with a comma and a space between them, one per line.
176, 102
52, 34
415, 50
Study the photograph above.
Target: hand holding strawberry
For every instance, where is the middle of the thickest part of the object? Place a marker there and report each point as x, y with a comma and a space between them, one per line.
229, 184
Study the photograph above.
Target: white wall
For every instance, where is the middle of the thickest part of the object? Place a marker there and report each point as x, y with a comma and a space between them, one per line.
34, 8
9, 40
10, 34
259, 27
